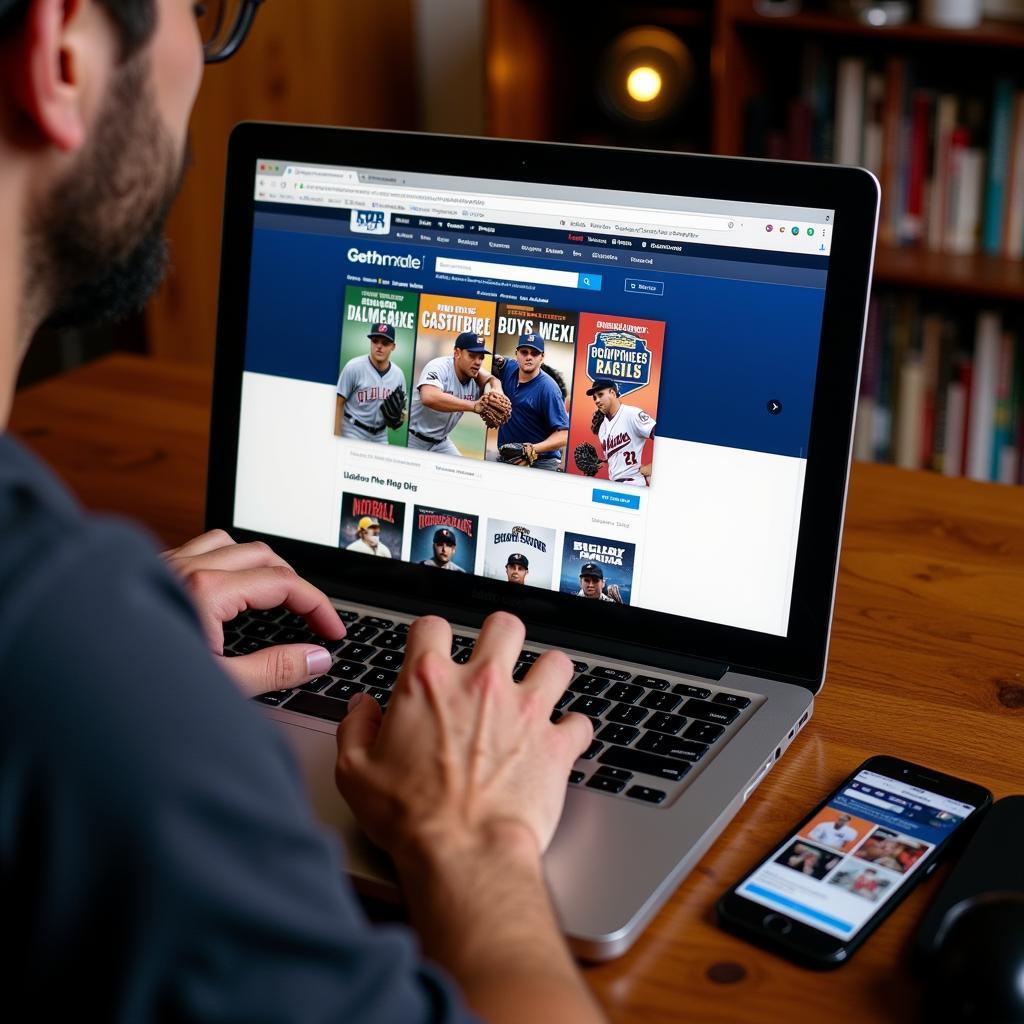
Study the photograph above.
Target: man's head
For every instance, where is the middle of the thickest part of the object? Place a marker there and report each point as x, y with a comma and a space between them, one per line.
606, 396
841, 820
368, 529
517, 567
592, 580
530, 352
469, 354
444, 546
382, 344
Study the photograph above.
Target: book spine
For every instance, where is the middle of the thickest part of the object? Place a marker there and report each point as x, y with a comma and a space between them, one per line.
931, 343
987, 342
911, 412
1013, 230
849, 109
895, 73
912, 228
938, 214
998, 166
874, 103
953, 442
1002, 432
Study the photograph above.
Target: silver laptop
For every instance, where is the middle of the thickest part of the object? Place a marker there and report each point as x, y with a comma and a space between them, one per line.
697, 323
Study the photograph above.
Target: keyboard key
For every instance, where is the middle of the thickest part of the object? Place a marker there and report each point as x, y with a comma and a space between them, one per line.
652, 796
689, 690
259, 629
391, 640
344, 690
575, 777
355, 652
605, 672
606, 784
614, 773
626, 693
402, 627
651, 682
623, 734
566, 698
292, 636
588, 684
595, 748
373, 620
361, 632
294, 621
380, 696
249, 645
590, 705
382, 678
346, 669
579, 666
463, 640
461, 657
334, 646
519, 673
267, 614
626, 714
318, 705
556, 716
528, 656
704, 732
732, 700
388, 659
669, 746
650, 764
720, 714
318, 684
666, 723
274, 698
347, 616
658, 701
230, 636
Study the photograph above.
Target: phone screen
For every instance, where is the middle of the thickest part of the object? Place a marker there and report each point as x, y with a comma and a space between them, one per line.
855, 853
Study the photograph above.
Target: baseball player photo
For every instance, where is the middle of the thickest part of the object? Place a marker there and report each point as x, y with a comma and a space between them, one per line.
517, 568
519, 553
595, 567
592, 584
450, 386
444, 539
368, 540
371, 526
445, 543
623, 430
371, 392
538, 427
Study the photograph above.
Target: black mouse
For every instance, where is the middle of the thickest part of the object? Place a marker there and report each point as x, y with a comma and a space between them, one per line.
977, 971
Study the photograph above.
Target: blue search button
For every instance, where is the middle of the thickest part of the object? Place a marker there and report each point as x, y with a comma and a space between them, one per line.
637, 286
616, 498
591, 282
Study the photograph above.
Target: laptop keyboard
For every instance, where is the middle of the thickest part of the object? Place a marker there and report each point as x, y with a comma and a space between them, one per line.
652, 734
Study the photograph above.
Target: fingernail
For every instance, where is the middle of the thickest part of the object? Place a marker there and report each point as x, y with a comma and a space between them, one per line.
357, 699
318, 662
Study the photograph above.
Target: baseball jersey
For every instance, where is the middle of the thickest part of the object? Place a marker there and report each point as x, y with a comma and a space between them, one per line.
364, 387
622, 439
538, 409
359, 544
603, 596
450, 566
440, 373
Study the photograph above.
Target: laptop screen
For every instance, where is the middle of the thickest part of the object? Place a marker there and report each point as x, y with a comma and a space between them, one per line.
658, 355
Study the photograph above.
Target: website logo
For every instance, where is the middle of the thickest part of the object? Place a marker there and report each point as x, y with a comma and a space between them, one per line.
384, 259
621, 357
371, 222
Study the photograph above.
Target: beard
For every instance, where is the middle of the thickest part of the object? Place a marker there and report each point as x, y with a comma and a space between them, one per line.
96, 245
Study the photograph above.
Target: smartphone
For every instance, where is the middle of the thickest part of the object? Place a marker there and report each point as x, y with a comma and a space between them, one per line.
822, 891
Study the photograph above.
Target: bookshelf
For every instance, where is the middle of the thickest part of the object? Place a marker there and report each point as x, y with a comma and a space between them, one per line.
543, 72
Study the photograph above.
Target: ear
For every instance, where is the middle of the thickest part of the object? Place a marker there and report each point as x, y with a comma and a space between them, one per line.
58, 68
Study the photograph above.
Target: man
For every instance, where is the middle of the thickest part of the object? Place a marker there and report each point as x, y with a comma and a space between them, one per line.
538, 418
444, 551
449, 387
158, 858
623, 431
592, 583
363, 385
517, 568
837, 835
368, 540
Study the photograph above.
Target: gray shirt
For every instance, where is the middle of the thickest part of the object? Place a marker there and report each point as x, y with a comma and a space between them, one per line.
440, 373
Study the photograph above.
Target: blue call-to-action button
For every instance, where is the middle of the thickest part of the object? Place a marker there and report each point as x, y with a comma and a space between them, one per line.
591, 282
785, 901
638, 286
616, 498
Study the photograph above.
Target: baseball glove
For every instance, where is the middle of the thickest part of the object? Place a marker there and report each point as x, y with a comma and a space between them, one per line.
595, 421
393, 408
495, 408
612, 590
516, 454
498, 364
586, 459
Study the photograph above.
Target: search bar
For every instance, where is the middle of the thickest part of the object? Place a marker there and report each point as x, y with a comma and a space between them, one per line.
515, 272
866, 798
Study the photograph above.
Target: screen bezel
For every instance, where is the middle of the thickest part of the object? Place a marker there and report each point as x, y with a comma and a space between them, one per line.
817, 948
664, 638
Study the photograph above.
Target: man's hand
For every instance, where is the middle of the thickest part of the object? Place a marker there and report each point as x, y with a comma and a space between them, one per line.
465, 755
225, 578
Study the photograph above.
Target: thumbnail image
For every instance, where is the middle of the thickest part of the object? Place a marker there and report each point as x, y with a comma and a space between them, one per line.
371, 526
615, 398
836, 829
378, 335
808, 860
597, 568
868, 883
444, 540
454, 340
534, 358
890, 850
519, 553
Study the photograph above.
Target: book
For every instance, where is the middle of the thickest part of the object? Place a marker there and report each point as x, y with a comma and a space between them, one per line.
907, 448
998, 166
984, 386
1013, 228
1002, 432
939, 200
849, 110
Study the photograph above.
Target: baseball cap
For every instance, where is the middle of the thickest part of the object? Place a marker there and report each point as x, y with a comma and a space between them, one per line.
471, 342
517, 559
600, 384
591, 569
444, 536
382, 331
531, 340
366, 522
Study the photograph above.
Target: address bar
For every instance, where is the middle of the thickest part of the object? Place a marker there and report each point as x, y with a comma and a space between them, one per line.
506, 272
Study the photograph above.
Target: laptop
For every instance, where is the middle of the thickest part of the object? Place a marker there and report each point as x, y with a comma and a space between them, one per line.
675, 528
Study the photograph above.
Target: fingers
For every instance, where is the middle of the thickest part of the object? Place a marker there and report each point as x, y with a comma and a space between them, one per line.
200, 545
550, 675
277, 667
576, 731
501, 638
430, 633
232, 557
357, 732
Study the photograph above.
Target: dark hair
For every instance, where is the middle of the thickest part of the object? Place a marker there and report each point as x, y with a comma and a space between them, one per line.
135, 20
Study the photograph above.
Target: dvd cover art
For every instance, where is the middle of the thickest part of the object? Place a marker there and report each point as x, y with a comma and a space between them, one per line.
371, 526
597, 568
519, 553
615, 398
378, 335
444, 539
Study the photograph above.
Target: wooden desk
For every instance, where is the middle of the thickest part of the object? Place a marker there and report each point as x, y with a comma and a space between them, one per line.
927, 662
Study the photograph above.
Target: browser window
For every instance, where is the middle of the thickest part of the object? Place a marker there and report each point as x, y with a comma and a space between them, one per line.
658, 354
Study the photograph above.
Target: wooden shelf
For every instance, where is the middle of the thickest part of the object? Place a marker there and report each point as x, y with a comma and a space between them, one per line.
987, 277
989, 34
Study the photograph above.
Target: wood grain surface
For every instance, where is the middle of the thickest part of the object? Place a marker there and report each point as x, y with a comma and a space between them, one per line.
926, 662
